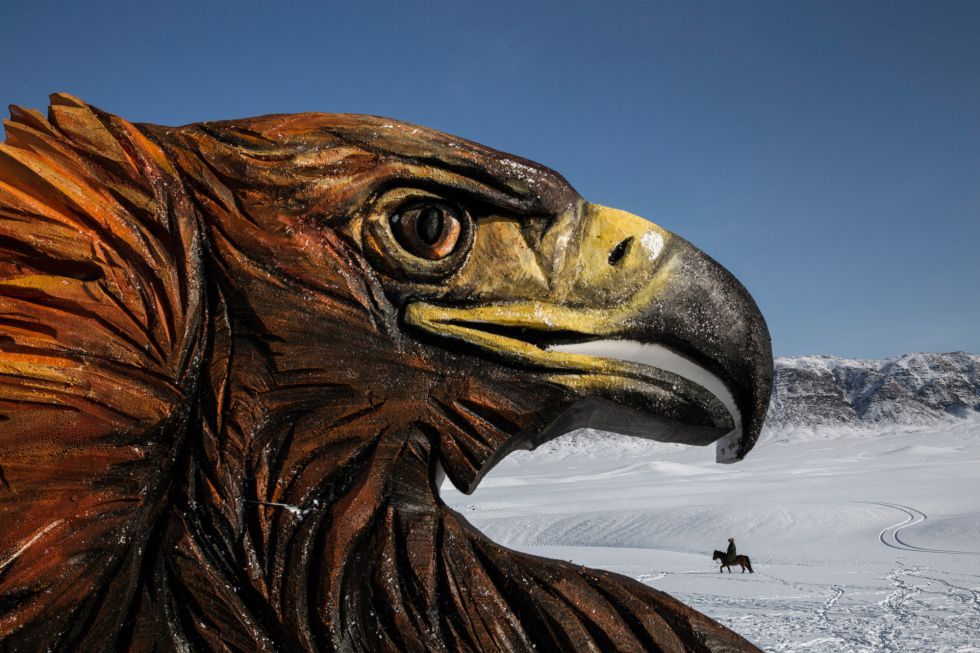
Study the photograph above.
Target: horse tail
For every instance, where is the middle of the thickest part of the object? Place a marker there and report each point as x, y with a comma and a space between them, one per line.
748, 563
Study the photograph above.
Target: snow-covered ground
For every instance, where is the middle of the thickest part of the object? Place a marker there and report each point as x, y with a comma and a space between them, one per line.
860, 542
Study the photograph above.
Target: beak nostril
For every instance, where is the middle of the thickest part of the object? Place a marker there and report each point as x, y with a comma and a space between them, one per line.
619, 251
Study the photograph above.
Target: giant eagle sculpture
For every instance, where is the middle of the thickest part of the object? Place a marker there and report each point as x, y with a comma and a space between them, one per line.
236, 359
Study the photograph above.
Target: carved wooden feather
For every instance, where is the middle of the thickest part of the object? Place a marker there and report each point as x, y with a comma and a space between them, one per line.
236, 357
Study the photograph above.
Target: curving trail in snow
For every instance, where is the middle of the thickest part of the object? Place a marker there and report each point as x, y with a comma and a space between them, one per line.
864, 543
913, 517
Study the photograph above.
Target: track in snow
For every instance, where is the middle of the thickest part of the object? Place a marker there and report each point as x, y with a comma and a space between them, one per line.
905, 608
840, 565
890, 536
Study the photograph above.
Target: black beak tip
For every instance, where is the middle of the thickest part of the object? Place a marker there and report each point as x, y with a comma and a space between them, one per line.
756, 401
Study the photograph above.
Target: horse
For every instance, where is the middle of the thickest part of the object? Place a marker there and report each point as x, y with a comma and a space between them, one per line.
740, 560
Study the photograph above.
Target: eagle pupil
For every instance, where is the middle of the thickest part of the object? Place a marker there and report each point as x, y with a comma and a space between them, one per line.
429, 225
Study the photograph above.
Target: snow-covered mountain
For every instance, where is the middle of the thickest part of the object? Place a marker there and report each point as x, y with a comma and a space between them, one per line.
866, 544
828, 392
829, 396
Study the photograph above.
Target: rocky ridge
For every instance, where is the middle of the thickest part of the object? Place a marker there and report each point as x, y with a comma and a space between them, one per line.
828, 392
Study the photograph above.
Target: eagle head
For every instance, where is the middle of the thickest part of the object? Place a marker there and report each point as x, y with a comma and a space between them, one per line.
236, 358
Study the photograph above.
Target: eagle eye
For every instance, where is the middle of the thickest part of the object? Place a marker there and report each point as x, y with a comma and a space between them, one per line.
417, 236
430, 231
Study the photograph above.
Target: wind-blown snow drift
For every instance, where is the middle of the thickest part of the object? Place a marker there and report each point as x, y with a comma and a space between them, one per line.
867, 542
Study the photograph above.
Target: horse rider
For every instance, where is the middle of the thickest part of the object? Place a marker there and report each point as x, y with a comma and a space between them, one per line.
730, 553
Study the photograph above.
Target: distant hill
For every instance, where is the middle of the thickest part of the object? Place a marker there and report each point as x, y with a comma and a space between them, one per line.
828, 392
827, 396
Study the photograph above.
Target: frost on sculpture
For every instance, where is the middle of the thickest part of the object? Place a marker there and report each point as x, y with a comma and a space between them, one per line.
236, 356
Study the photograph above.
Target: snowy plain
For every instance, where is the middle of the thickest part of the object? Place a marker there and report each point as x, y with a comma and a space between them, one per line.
860, 540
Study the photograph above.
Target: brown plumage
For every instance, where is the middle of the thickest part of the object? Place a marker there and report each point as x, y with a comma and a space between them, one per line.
219, 428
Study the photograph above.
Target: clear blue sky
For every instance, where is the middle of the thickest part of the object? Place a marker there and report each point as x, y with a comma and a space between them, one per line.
828, 153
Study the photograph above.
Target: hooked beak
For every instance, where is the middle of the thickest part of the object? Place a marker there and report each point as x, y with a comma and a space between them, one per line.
656, 338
